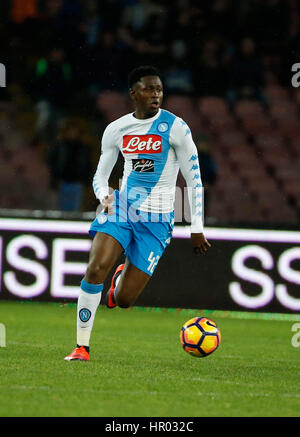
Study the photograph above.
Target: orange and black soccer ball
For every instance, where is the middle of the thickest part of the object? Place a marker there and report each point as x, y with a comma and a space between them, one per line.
200, 337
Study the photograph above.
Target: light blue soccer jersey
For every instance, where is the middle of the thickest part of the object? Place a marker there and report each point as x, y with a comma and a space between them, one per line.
153, 149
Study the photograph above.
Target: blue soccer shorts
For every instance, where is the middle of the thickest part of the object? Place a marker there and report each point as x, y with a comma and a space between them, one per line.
143, 236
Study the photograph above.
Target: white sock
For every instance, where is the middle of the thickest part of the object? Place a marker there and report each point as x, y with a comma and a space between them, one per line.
87, 305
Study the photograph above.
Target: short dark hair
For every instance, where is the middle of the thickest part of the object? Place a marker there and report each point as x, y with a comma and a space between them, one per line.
139, 72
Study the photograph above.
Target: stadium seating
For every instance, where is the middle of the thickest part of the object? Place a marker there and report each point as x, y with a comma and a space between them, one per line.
212, 106
112, 105
179, 104
277, 93
248, 109
256, 148
24, 175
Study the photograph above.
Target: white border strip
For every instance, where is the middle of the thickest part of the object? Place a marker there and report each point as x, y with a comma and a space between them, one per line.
33, 225
228, 234
82, 227
263, 235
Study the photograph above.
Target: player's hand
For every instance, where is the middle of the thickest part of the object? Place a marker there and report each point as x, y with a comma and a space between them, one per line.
200, 244
107, 203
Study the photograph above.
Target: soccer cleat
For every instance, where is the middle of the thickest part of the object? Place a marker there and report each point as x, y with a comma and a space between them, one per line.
79, 354
110, 295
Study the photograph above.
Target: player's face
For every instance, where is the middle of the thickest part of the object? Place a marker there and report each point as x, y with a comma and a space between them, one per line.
147, 95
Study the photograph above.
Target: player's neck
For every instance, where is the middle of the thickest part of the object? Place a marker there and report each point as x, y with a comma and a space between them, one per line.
143, 115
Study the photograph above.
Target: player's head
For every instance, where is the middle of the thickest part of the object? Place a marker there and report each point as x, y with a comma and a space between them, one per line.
146, 89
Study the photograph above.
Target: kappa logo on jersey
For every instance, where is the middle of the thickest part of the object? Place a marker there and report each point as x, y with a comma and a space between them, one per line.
142, 144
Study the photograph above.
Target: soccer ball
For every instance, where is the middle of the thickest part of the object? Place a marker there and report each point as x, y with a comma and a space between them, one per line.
200, 337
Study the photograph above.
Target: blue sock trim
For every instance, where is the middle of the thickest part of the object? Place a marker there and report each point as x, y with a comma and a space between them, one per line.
91, 288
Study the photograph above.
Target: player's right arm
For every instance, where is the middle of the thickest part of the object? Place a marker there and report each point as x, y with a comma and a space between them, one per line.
108, 158
187, 156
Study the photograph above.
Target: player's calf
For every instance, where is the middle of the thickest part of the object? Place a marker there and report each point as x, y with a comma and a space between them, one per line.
132, 283
124, 301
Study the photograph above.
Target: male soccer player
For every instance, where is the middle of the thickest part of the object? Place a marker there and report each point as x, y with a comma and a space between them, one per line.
137, 220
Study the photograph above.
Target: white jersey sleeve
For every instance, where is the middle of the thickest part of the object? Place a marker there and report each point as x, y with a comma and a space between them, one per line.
187, 156
108, 158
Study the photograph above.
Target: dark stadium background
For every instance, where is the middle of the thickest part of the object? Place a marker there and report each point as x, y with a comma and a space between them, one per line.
227, 69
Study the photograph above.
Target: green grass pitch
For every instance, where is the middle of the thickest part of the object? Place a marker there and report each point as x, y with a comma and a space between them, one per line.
139, 369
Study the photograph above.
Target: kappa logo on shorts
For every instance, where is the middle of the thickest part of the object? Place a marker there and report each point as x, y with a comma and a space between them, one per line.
142, 144
85, 315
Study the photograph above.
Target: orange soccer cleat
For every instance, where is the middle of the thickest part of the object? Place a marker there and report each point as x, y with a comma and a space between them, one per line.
110, 295
79, 354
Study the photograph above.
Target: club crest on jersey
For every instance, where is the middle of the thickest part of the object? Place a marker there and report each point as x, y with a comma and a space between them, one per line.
163, 127
142, 144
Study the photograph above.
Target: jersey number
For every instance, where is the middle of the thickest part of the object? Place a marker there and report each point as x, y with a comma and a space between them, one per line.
153, 261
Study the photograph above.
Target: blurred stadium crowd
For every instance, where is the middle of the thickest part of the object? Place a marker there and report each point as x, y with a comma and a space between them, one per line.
226, 66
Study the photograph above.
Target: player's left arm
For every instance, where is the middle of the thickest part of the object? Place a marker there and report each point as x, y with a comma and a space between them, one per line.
187, 156
108, 158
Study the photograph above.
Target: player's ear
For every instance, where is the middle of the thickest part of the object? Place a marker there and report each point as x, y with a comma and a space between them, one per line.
131, 93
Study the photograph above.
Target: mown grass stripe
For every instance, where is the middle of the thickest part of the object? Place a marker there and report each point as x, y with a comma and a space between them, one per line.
223, 314
193, 312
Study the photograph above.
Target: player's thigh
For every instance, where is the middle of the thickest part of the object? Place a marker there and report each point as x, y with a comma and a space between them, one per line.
104, 253
132, 282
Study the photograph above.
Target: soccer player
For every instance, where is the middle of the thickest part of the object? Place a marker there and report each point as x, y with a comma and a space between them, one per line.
137, 220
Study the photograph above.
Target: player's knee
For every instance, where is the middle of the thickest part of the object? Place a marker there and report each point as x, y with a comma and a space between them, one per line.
96, 272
